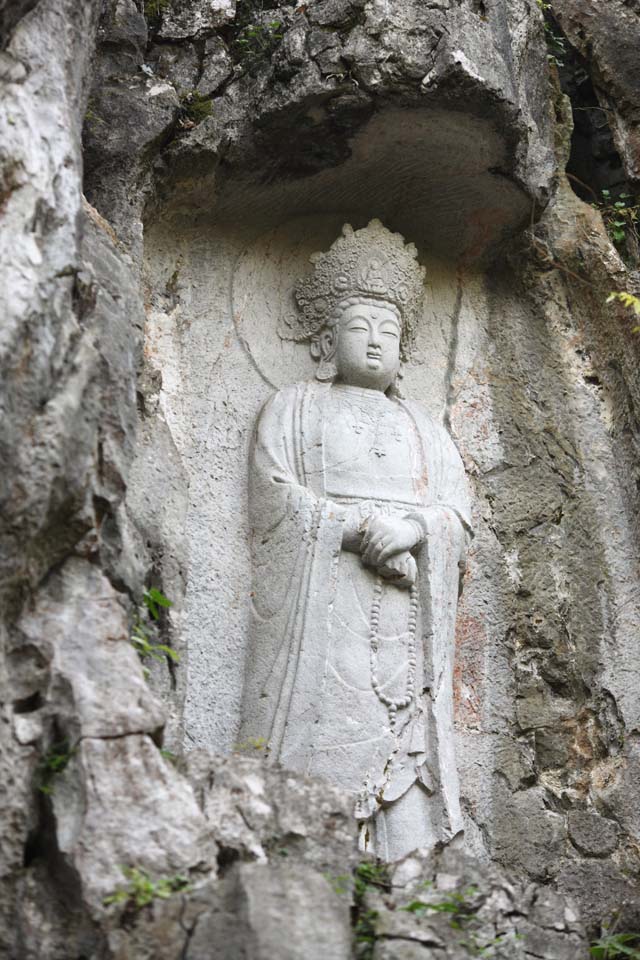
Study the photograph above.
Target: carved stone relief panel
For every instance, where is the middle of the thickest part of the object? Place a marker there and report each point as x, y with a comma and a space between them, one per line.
359, 521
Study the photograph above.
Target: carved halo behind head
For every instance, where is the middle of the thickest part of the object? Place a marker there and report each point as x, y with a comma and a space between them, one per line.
372, 264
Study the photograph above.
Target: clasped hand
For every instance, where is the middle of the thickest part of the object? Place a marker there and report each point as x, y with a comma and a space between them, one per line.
385, 537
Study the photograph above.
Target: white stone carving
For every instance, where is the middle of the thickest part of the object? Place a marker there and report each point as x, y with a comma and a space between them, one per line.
359, 522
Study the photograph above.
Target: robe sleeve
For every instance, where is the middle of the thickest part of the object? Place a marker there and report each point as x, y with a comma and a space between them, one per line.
279, 492
446, 523
296, 537
451, 487
447, 497
276, 482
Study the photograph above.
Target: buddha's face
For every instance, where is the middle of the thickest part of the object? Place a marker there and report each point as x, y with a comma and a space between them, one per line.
366, 345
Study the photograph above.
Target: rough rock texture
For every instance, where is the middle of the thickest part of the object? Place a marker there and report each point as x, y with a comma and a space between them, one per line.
72, 688
118, 461
286, 888
179, 21
455, 907
331, 70
289, 886
608, 36
598, 759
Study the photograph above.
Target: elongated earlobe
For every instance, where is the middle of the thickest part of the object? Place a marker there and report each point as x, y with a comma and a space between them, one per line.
323, 349
326, 371
395, 390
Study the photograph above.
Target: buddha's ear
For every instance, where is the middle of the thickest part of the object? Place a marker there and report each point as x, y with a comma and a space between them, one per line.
395, 390
323, 349
314, 347
323, 344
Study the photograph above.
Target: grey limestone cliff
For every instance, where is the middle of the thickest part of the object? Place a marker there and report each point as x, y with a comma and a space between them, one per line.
162, 167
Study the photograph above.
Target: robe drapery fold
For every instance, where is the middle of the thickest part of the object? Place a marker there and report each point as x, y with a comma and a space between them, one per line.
296, 532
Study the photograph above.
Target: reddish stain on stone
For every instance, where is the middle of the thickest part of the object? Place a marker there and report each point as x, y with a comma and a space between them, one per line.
468, 671
483, 227
422, 482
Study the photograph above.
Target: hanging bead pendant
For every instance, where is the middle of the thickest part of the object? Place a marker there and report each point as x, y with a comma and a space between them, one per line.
393, 705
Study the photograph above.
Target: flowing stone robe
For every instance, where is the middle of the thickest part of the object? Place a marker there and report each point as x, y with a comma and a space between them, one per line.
324, 456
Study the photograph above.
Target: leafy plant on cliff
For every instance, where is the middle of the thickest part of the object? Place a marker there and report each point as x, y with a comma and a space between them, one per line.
153, 8
153, 600
478, 947
556, 43
621, 218
90, 115
249, 11
52, 764
456, 904
461, 910
367, 876
142, 638
253, 743
195, 109
143, 889
255, 34
616, 946
627, 300
257, 41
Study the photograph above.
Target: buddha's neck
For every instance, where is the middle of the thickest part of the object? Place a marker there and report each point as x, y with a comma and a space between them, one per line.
368, 393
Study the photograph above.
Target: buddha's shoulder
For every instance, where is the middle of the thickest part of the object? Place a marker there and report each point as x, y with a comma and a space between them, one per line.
289, 396
420, 412
426, 421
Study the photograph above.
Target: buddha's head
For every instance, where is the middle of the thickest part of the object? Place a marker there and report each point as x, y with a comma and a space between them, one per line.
359, 306
360, 345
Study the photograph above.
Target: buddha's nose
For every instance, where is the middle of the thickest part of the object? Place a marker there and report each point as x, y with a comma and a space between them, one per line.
374, 339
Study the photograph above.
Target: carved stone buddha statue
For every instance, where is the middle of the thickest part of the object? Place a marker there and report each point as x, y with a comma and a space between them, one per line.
359, 521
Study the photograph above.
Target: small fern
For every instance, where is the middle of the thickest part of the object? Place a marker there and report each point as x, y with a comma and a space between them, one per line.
142, 889
627, 300
616, 946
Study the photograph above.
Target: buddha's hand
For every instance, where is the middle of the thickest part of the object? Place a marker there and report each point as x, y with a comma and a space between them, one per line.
387, 536
400, 570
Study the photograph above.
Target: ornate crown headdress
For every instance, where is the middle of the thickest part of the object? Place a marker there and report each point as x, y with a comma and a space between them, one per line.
372, 263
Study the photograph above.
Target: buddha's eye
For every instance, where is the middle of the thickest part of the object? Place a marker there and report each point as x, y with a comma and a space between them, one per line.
359, 327
390, 332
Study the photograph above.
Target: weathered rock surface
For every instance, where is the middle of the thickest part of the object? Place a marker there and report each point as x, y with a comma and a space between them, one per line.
327, 69
73, 691
261, 812
179, 21
455, 907
440, 118
608, 36
286, 886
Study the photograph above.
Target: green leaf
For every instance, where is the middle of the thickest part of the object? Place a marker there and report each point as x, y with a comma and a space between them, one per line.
153, 599
169, 652
118, 897
160, 598
617, 945
416, 906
